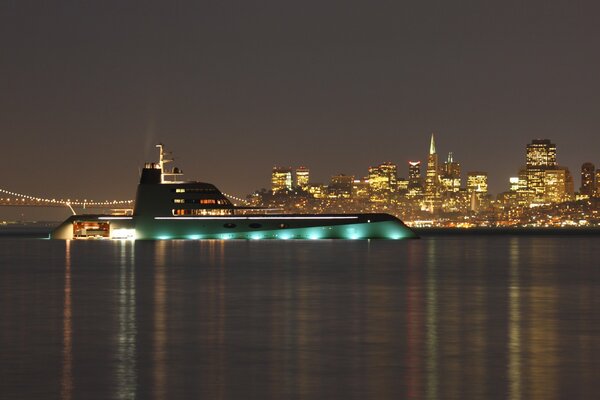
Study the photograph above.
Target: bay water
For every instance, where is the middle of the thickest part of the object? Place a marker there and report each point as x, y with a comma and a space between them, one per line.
443, 317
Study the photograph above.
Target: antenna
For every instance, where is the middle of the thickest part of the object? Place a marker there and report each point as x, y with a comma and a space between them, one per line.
162, 160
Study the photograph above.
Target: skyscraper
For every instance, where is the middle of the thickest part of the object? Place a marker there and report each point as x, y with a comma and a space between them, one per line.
450, 176
477, 182
540, 157
541, 153
588, 179
414, 174
432, 200
302, 177
477, 188
281, 179
382, 181
341, 186
558, 185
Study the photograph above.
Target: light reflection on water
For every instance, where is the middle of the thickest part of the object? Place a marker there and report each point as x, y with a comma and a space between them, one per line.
126, 368
443, 317
66, 384
514, 323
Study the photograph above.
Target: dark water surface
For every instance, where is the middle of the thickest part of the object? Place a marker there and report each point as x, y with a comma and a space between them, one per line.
445, 317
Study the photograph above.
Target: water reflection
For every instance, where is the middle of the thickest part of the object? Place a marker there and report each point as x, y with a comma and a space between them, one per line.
212, 310
126, 371
414, 323
66, 383
159, 351
514, 350
542, 334
436, 318
432, 322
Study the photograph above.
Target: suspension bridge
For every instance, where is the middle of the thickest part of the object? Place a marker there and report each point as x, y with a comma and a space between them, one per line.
10, 198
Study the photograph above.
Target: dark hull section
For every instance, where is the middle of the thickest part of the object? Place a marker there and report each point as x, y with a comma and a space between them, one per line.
321, 226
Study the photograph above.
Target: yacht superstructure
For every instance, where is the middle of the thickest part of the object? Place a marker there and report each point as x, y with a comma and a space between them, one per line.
167, 207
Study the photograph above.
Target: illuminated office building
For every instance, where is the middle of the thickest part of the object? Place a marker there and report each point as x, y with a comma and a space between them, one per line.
541, 153
450, 176
281, 179
317, 190
302, 177
382, 181
414, 174
540, 157
360, 189
402, 185
341, 186
477, 188
597, 185
514, 183
477, 182
558, 185
588, 179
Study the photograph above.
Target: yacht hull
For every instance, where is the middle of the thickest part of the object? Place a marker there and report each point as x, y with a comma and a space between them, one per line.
251, 227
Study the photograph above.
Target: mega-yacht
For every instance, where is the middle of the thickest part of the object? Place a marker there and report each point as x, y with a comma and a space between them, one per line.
167, 207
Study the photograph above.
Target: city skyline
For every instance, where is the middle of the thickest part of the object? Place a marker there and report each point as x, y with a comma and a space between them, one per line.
542, 194
89, 88
461, 173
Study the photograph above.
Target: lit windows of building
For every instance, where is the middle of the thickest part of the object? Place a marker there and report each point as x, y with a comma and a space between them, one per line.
317, 190
540, 157
557, 185
341, 186
382, 181
541, 153
432, 197
477, 182
514, 183
402, 184
360, 188
414, 174
450, 176
302, 177
281, 179
588, 179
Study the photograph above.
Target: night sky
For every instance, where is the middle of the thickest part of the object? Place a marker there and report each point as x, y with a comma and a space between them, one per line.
235, 87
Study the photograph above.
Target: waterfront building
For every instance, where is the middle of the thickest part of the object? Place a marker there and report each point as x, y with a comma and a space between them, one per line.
456, 202
588, 179
302, 177
382, 181
597, 185
281, 179
317, 190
